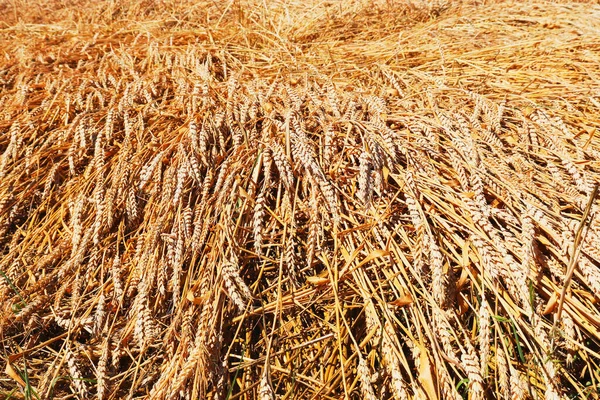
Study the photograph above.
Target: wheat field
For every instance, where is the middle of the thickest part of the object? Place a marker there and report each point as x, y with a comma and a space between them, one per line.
255, 199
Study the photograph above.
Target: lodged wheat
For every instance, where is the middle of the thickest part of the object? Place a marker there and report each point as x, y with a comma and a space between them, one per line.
299, 200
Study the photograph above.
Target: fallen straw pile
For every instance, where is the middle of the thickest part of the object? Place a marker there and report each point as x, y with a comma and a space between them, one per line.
261, 199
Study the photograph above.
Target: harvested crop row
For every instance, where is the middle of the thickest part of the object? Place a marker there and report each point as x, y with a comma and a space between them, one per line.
195, 215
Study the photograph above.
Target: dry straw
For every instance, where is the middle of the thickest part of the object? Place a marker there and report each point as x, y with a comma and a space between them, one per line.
249, 199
